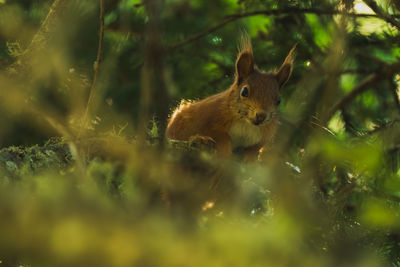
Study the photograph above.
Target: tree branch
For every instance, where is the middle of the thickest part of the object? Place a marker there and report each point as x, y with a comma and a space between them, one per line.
154, 89
95, 67
40, 40
202, 34
384, 73
382, 14
300, 11
273, 12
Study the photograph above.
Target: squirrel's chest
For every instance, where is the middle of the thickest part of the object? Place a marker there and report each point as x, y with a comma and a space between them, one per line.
244, 134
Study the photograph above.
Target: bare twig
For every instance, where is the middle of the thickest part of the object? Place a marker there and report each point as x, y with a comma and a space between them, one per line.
95, 67
40, 40
361, 87
382, 74
296, 11
154, 91
203, 33
273, 12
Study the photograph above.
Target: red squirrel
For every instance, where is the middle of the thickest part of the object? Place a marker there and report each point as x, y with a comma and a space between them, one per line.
243, 116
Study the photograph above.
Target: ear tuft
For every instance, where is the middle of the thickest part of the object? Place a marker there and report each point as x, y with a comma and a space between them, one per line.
245, 60
285, 70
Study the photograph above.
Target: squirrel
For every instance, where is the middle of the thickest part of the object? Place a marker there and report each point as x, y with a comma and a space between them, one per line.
243, 116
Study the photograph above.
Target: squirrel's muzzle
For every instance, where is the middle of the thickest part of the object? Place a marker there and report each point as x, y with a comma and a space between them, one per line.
260, 118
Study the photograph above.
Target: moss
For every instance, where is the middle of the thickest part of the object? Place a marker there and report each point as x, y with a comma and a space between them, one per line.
16, 162
11, 166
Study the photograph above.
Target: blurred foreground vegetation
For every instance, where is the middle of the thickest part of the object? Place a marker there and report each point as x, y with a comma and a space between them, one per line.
87, 179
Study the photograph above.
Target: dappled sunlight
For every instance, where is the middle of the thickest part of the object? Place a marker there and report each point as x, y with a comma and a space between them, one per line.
87, 177
361, 8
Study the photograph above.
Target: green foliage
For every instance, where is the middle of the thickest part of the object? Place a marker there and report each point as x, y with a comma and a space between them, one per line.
108, 192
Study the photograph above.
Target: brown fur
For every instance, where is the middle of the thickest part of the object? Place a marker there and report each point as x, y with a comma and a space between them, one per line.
229, 118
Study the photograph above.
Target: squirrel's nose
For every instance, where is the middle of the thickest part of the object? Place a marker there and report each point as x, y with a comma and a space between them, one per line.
260, 117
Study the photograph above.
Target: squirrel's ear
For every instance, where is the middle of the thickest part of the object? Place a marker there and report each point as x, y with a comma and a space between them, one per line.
244, 66
285, 70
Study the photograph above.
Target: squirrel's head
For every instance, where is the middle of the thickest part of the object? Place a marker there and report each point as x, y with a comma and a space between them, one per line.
257, 93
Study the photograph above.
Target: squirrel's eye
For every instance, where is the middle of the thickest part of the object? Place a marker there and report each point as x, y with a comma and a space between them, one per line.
244, 92
278, 101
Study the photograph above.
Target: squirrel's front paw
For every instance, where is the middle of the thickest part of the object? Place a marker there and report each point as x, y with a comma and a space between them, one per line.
199, 141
